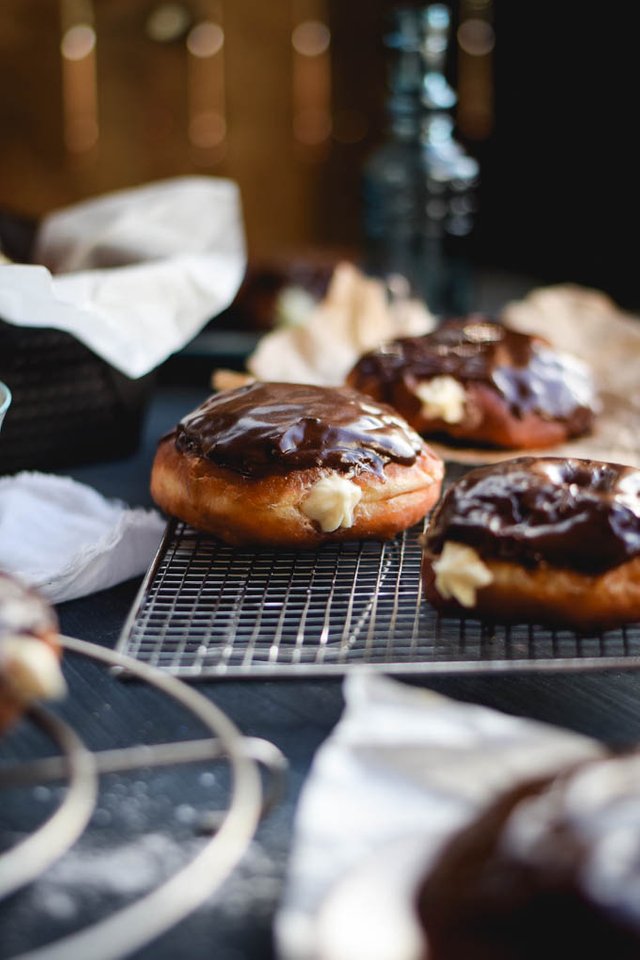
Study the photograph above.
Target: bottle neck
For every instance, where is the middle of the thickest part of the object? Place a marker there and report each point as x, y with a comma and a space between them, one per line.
419, 98
404, 126
430, 128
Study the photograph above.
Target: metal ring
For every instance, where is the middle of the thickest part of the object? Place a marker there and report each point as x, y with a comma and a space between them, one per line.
139, 923
27, 859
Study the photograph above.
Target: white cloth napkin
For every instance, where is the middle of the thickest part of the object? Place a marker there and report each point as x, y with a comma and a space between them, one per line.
134, 274
403, 768
67, 540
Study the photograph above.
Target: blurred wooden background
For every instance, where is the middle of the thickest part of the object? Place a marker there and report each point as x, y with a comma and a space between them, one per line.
111, 93
286, 98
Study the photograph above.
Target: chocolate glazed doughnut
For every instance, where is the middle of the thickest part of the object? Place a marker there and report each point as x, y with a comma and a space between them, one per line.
474, 380
550, 869
284, 464
542, 540
29, 650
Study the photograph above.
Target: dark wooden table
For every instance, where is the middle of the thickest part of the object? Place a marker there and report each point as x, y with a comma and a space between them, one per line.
144, 823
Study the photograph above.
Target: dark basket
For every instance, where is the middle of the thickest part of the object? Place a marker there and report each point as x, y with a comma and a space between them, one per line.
69, 406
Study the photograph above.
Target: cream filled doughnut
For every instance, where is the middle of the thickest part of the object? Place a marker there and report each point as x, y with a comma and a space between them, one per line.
477, 381
283, 464
544, 540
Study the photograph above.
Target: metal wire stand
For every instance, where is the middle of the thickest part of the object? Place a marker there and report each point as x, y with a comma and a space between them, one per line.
208, 610
139, 923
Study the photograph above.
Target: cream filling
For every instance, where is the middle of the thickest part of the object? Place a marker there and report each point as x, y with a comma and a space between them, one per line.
331, 503
442, 398
31, 669
460, 573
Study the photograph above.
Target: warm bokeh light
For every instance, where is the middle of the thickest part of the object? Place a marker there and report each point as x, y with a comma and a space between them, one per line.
207, 129
206, 39
78, 42
311, 38
207, 121
79, 87
312, 127
476, 37
168, 22
476, 45
311, 81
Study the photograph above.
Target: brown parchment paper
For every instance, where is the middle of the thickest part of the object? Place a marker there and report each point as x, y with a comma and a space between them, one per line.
357, 314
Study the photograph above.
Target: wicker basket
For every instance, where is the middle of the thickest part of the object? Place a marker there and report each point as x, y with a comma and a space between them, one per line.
69, 406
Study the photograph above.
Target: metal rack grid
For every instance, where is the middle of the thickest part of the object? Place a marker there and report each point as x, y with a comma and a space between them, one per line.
208, 610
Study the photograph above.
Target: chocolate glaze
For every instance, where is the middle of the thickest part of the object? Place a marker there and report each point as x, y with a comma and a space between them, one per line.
583, 811
582, 515
528, 373
267, 428
550, 869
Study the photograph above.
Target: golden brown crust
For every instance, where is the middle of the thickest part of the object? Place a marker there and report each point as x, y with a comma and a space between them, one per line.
548, 595
267, 510
487, 420
497, 426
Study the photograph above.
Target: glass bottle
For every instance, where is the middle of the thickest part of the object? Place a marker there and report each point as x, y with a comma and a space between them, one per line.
419, 185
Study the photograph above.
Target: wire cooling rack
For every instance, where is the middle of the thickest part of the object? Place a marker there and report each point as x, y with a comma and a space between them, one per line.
209, 610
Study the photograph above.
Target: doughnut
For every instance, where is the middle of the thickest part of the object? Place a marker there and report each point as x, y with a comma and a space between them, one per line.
549, 869
473, 380
281, 464
279, 290
546, 540
29, 650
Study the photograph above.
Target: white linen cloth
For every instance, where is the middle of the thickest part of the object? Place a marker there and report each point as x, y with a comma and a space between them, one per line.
134, 274
67, 540
403, 768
